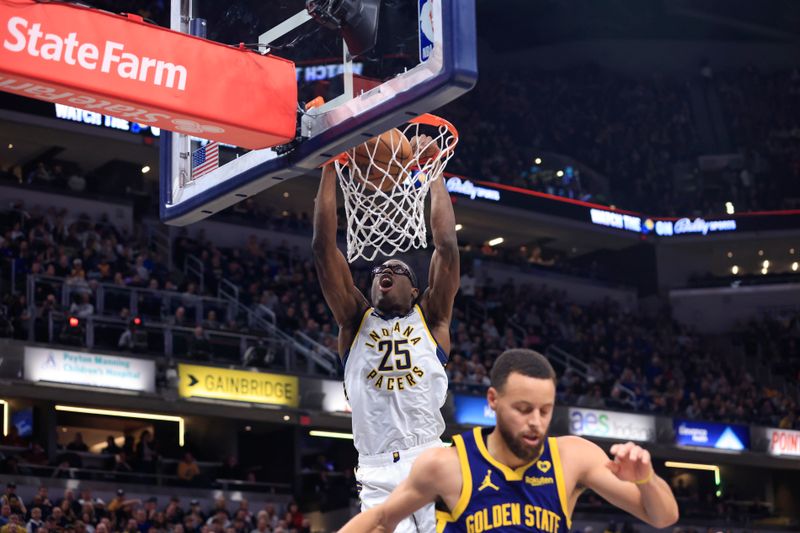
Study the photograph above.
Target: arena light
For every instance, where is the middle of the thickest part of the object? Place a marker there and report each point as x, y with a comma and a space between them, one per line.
145, 169
729, 208
74, 322
696, 466
794, 266
128, 414
560, 173
459, 227
764, 271
760, 253
735, 270
538, 160
496, 241
730, 255
765, 264
791, 251
5, 417
10, 146
331, 434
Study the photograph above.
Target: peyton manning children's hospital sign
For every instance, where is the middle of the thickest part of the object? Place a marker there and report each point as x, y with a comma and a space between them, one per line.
91, 369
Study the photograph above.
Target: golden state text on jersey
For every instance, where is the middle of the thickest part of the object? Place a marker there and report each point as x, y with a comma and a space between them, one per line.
497, 497
396, 383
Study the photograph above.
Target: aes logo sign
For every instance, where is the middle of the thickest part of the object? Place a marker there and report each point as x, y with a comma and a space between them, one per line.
611, 425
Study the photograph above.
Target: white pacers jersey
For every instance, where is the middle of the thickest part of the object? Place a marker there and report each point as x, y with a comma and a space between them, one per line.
395, 381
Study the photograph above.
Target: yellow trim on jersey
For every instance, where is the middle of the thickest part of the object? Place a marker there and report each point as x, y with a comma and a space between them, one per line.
511, 474
466, 478
559, 473
442, 517
360, 325
425, 324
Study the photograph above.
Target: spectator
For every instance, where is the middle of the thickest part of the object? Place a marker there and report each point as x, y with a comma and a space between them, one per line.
188, 469
11, 499
77, 444
179, 318
122, 463
211, 321
14, 525
111, 446
146, 454
84, 309
36, 520
230, 469
133, 338
199, 344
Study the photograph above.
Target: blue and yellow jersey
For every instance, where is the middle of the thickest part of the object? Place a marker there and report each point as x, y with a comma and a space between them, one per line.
497, 497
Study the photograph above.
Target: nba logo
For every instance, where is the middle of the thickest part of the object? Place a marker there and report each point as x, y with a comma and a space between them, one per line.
425, 29
395, 456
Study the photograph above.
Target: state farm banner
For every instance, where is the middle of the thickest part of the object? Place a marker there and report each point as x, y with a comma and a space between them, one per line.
127, 68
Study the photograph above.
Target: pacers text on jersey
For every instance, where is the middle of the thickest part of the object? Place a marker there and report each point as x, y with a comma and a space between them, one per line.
396, 360
110, 58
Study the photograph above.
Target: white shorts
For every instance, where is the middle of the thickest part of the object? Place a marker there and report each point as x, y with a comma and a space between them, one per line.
378, 476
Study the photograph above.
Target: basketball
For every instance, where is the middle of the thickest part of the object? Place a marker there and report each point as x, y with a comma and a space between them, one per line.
384, 156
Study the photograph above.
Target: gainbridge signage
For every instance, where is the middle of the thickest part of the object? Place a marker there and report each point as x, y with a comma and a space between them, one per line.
126, 68
237, 385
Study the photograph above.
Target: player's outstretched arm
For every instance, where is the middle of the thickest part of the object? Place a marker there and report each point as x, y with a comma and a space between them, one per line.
444, 275
421, 487
345, 300
628, 482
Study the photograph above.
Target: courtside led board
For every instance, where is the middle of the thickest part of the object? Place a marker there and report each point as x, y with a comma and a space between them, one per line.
425, 57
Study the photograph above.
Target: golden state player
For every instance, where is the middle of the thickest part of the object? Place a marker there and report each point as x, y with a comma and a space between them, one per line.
513, 477
394, 350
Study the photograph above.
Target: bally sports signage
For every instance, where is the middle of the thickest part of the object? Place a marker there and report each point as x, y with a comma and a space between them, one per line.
95, 370
237, 385
711, 435
783, 442
611, 425
124, 67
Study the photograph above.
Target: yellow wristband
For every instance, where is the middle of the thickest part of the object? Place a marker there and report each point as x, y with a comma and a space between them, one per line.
646, 480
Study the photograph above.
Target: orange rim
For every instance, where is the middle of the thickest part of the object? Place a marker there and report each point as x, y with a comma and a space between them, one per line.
425, 118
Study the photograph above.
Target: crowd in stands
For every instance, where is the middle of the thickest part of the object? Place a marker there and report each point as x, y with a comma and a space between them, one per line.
630, 130
669, 368
762, 111
633, 141
87, 513
635, 132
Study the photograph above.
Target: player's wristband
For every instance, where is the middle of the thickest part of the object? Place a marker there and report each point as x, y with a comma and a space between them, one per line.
646, 480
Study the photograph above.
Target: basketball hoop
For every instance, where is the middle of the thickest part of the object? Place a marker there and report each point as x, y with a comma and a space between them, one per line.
385, 210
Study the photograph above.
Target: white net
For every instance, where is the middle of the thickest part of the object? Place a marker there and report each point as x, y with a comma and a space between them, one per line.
385, 196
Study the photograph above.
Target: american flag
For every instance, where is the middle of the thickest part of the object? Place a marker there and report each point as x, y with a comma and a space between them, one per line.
205, 159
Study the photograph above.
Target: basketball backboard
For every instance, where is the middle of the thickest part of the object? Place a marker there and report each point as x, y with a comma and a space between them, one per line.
425, 57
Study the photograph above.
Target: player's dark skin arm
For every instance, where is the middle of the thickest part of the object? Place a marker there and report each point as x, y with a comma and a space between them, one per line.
345, 301
444, 276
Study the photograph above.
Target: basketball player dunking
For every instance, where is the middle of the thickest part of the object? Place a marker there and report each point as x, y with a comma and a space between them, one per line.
513, 477
393, 350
